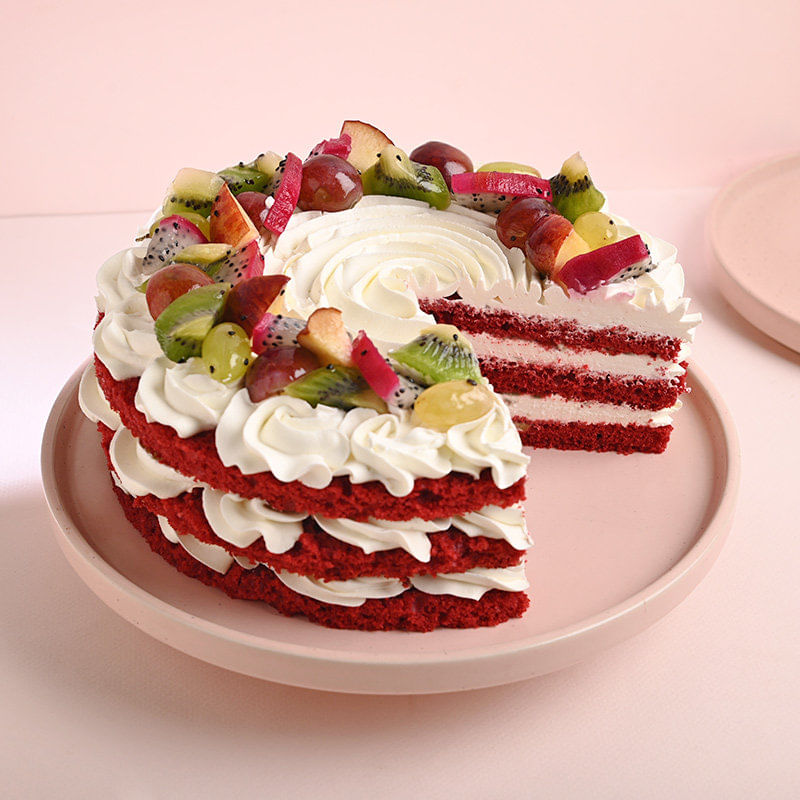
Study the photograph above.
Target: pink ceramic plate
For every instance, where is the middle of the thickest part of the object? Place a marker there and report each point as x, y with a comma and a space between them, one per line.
751, 228
620, 541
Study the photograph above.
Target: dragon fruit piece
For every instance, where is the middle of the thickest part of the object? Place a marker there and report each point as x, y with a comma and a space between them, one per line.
406, 394
286, 196
612, 263
246, 262
276, 330
491, 192
170, 236
376, 371
334, 147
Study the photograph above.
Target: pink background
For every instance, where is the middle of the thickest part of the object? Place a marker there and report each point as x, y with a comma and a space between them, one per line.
107, 99
102, 102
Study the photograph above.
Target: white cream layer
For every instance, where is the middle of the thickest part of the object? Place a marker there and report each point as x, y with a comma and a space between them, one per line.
524, 351
472, 584
558, 409
93, 402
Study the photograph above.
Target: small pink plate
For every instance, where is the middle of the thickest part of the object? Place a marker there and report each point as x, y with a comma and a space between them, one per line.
619, 542
751, 229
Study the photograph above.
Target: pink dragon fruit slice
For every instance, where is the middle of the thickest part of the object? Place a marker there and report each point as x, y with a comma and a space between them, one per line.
493, 191
377, 373
627, 258
285, 196
276, 330
171, 235
246, 262
334, 147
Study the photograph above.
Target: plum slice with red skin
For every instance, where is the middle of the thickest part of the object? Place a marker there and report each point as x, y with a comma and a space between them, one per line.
377, 373
602, 266
228, 221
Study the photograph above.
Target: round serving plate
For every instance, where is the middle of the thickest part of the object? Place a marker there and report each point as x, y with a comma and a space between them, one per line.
751, 228
619, 542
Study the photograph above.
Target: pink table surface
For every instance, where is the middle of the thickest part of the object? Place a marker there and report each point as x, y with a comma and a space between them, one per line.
704, 704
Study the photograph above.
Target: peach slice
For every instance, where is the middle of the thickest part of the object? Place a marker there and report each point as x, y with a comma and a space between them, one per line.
366, 142
326, 337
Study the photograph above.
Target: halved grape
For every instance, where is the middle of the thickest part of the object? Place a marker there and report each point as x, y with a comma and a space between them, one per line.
170, 283
329, 184
226, 352
597, 229
451, 403
518, 218
275, 369
447, 159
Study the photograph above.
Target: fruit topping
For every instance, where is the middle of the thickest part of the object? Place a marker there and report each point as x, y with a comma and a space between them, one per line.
286, 196
185, 322
340, 146
407, 392
516, 220
203, 255
440, 353
201, 222
249, 300
373, 366
447, 159
326, 336
170, 236
329, 183
509, 166
273, 331
627, 258
269, 164
171, 282
333, 385
245, 178
226, 352
366, 143
254, 204
276, 368
236, 265
598, 229
395, 174
573, 191
192, 190
229, 222
493, 191
551, 243
452, 403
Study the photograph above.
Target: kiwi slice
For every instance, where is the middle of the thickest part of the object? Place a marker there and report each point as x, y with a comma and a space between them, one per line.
573, 191
395, 174
204, 256
440, 353
185, 322
192, 190
342, 387
242, 178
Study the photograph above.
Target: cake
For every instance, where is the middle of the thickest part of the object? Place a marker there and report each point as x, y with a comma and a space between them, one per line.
313, 380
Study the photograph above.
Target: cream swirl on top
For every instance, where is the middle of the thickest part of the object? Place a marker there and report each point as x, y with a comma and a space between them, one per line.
363, 260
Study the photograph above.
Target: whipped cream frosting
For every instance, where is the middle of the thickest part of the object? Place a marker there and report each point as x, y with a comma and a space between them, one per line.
472, 584
287, 437
93, 402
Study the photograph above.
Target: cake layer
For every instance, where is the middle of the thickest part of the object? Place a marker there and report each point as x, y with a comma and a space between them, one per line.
197, 457
596, 437
558, 332
413, 610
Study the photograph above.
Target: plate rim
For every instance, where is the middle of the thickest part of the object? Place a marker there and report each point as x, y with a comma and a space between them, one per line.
69, 536
752, 306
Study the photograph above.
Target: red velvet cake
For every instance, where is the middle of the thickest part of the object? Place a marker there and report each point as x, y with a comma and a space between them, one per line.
295, 374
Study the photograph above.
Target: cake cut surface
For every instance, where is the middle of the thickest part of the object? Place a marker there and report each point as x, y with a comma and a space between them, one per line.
314, 379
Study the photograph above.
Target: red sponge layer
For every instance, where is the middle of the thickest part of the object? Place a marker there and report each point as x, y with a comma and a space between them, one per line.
562, 332
411, 611
623, 439
197, 457
517, 378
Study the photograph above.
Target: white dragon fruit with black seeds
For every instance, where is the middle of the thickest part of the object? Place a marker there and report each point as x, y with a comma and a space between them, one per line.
172, 235
276, 330
406, 393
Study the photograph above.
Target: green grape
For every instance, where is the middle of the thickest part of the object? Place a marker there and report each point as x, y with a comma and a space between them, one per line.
226, 352
597, 229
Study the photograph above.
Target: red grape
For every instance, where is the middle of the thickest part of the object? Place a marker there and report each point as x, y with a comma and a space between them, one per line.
170, 283
447, 159
251, 298
276, 368
253, 204
329, 184
516, 220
